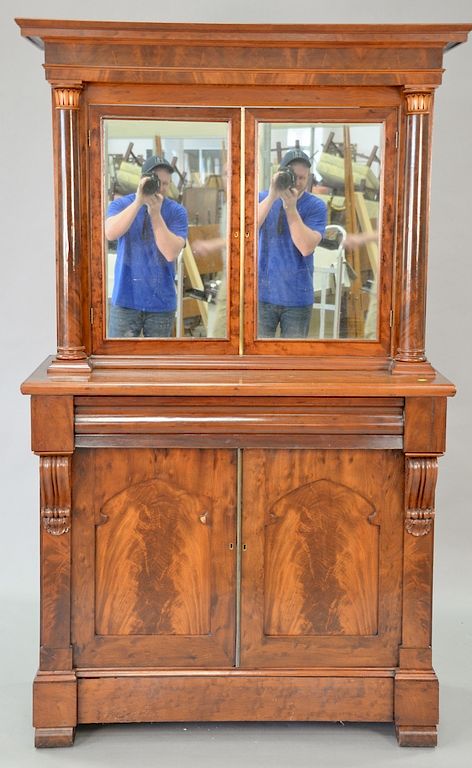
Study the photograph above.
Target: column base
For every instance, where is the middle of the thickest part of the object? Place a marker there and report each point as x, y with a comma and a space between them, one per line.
72, 367
416, 735
54, 737
54, 708
413, 368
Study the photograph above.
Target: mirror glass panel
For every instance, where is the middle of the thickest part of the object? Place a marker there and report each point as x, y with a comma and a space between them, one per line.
165, 225
318, 230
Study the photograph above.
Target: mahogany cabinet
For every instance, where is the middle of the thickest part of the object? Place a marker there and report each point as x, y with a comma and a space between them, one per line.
238, 527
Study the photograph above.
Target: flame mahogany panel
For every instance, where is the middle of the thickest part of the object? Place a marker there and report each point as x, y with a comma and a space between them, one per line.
153, 562
321, 572
156, 578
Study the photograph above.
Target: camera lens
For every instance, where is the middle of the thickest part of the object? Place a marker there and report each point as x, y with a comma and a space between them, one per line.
152, 184
285, 179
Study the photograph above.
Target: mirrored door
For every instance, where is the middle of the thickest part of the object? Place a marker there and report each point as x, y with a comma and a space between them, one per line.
322, 245
163, 228
312, 254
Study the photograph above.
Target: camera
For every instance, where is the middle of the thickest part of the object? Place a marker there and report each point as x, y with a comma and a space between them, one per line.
285, 179
209, 293
152, 184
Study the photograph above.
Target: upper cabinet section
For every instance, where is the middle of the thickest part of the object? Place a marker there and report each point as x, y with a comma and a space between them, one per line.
242, 190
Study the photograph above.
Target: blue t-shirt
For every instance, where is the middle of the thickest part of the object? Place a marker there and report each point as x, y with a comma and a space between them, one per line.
144, 279
285, 276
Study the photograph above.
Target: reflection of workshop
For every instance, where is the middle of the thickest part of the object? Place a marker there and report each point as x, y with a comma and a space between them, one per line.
353, 203
197, 152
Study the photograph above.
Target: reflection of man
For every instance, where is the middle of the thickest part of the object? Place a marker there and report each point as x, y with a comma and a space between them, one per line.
291, 224
151, 230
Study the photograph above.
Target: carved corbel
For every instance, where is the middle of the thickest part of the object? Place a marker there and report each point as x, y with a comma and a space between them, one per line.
421, 477
55, 486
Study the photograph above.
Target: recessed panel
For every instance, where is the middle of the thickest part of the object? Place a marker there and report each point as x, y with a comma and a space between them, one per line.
321, 562
153, 569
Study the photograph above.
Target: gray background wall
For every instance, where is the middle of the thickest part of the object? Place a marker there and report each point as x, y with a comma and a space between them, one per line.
27, 306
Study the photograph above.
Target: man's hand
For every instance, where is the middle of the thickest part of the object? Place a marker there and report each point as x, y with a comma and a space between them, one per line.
206, 247
153, 202
289, 198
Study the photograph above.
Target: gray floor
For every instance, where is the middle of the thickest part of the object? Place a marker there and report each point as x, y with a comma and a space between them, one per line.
236, 745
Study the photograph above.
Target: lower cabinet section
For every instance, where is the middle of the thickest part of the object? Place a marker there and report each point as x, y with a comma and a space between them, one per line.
220, 583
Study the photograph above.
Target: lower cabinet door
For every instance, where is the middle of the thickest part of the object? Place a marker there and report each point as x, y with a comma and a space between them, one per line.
322, 556
154, 557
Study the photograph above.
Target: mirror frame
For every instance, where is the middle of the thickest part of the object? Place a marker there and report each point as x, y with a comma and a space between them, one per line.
380, 346
243, 123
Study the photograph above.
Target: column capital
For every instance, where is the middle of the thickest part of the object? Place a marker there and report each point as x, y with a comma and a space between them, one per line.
67, 97
418, 101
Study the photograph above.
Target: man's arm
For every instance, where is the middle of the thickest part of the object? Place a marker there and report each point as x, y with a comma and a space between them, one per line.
116, 226
168, 243
264, 207
266, 204
205, 247
304, 238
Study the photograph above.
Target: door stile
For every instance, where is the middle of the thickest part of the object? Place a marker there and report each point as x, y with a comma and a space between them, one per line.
237, 638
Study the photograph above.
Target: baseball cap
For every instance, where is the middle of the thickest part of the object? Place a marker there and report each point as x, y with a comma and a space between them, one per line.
155, 162
295, 155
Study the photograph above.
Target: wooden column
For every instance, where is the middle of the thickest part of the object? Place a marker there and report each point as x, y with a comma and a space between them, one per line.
411, 308
70, 349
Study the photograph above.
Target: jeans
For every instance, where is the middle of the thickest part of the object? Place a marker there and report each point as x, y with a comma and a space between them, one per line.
294, 321
125, 323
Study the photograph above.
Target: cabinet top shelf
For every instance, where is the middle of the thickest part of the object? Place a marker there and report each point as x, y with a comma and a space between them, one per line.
390, 35
162, 380
243, 53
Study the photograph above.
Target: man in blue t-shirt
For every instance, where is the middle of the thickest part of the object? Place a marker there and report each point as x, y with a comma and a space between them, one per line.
291, 224
151, 230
